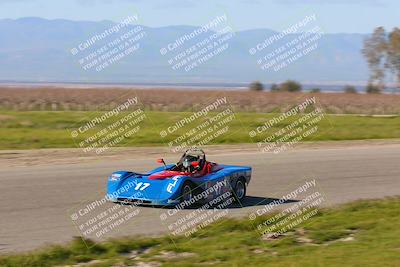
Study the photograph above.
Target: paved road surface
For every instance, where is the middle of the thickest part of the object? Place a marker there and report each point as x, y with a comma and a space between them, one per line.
36, 200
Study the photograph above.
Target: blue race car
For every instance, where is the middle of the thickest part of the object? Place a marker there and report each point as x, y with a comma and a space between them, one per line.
192, 180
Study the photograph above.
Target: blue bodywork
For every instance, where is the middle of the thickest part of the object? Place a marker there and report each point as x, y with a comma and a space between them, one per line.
125, 186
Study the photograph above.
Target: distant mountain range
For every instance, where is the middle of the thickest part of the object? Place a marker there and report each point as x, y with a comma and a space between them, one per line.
35, 49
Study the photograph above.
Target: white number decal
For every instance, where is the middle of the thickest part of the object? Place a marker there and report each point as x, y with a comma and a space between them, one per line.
142, 186
172, 185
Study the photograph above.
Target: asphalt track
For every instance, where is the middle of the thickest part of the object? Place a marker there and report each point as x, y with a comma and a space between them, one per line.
36, 201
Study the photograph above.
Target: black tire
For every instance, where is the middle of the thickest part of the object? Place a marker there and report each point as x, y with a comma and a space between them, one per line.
240, 190
187, 192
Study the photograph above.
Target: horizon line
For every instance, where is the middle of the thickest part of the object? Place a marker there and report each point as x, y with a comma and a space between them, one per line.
159, 27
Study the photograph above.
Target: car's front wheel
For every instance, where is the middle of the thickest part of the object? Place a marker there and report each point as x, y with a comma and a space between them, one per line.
240, 190
187, 192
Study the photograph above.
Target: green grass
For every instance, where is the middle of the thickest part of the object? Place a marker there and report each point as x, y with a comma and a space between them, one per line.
374, 225
52, 129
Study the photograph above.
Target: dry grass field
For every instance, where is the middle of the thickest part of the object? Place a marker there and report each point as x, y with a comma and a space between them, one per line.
186, 100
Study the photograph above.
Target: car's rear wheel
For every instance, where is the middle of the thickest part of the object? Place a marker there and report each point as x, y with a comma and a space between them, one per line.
240, 190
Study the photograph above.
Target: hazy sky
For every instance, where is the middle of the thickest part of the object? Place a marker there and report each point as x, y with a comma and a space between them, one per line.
334, 16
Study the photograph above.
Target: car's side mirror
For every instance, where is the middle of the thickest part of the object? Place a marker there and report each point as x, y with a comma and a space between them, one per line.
162, 162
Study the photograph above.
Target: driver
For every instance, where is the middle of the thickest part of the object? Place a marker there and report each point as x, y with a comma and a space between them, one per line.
187, 163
